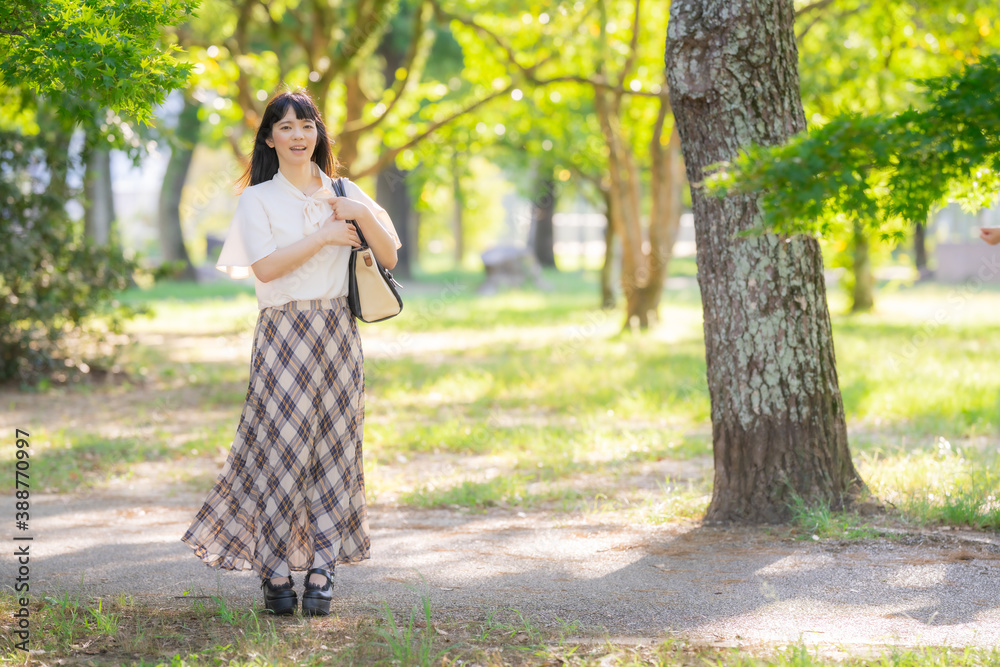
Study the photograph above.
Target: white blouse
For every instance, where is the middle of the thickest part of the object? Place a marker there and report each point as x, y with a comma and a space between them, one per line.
275, 214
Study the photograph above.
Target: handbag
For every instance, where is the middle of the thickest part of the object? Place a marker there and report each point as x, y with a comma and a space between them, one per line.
371, 289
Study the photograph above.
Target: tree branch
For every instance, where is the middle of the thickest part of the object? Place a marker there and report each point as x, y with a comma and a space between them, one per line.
813, 6
597, 83
481, 30
370, 22
236, 45
389, 156
13, 32
320, 37
529, 72
593, 180
816, 20
633, 46
399, 88
298, 35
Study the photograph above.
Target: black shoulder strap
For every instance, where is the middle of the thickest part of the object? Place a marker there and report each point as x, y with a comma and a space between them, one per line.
341, 191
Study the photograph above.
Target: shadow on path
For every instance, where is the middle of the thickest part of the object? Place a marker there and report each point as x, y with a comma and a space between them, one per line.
707, 584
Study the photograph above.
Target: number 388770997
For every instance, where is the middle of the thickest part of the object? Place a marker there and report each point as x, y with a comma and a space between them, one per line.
21, 477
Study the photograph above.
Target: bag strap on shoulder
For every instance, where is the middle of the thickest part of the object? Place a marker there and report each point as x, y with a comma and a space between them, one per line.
341, 191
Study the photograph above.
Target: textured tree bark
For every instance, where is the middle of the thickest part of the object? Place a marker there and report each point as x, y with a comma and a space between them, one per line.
392, 194
778, 424
169, 210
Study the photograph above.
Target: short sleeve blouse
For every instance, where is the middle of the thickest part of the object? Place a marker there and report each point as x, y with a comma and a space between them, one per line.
275, 214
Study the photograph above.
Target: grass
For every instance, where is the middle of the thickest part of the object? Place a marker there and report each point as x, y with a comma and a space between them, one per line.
939, 485
105, 632
532, 396
524, 400
818, 521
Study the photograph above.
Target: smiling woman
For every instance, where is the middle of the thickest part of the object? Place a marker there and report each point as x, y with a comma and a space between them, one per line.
291, 495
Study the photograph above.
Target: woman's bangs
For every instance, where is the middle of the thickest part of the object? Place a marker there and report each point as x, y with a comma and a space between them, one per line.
304, 110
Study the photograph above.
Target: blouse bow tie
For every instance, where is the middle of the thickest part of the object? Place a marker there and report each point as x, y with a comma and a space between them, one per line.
316, 211
315, 207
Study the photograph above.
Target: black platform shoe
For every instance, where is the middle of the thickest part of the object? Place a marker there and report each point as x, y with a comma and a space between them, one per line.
316, 599
279, 599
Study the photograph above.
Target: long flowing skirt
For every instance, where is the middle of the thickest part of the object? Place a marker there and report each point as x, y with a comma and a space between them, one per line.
292, 489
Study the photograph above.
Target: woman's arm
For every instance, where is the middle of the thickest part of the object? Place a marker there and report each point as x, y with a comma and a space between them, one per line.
283, 261
379, 240
990, 234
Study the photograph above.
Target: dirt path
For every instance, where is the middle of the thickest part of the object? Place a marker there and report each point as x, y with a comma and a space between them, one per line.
714, 585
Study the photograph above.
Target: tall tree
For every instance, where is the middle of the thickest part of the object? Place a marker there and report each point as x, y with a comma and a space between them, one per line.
543, 209
621, 78
78, 60
393, 195
99, 213
183, 141
328, 46
778, 425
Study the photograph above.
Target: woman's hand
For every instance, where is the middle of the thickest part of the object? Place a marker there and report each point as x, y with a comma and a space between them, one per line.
339, 232
990, 234
345, 208
377, 238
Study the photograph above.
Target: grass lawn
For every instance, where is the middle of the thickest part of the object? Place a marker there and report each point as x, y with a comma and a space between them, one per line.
531, 400
537, 398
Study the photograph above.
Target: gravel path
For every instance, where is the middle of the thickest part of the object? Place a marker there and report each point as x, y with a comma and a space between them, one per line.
706, 584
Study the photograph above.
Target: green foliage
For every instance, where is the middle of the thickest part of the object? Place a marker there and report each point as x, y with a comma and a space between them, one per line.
554, 55
857, 56
861, 57
407, 644
503, 489
942, 485
53, 279
84, 51
818, 521
882, 169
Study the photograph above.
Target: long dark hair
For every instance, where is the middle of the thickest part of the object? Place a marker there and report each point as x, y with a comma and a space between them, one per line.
263, 163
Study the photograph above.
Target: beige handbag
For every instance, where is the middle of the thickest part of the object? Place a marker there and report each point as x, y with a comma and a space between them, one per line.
371, 290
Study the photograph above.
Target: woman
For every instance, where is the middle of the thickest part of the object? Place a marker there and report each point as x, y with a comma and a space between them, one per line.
291, 495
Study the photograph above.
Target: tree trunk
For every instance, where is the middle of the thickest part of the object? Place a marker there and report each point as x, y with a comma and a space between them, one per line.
543, 209
624, 213
169, 212
863, 291
99, 214
607, 289
392, 194
458, 211
665, 219
354, 105
644, 262
920, 251
778, 426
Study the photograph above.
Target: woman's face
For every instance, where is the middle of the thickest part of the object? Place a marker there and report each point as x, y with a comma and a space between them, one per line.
293, 139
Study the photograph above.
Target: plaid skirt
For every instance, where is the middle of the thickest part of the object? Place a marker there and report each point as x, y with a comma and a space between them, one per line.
292, 490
